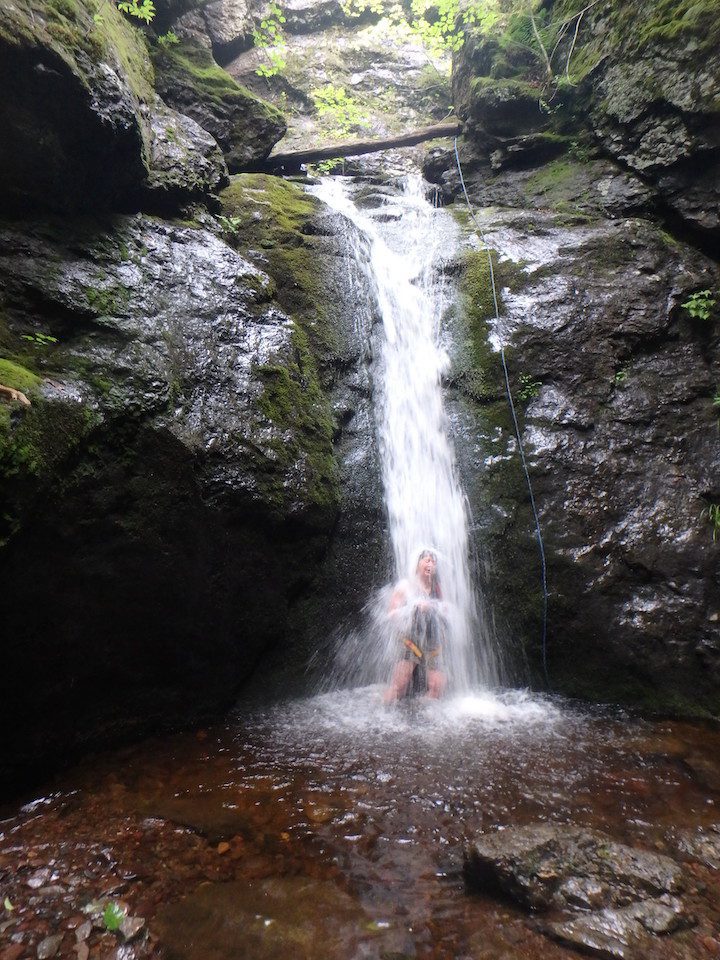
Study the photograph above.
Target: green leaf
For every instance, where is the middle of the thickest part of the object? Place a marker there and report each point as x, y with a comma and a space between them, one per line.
113, 916
8, 906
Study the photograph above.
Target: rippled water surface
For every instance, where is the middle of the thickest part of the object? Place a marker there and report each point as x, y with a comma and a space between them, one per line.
369, 805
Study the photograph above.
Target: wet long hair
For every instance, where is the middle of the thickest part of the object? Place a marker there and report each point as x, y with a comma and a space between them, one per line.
435, 588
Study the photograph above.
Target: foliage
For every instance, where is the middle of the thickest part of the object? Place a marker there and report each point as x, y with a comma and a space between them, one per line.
700, 305
8, 905
113, 916
713, 515
140, 9
168, 39
528, 389
269, 37
323, 167
230, 225
437, 23
334, 103
39, 339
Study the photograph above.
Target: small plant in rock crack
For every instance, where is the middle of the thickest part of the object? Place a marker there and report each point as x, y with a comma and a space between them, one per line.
39, 339
113, 916
169, 39
230, 225
713, 514
140, 9
528, 389
700, 305
621, 376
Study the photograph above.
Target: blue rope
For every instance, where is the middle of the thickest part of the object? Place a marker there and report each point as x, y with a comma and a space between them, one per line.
538, 533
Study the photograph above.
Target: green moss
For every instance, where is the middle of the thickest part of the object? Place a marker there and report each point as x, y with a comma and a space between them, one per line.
17, 377
275, 216
294, 402
671, 21
193, 63
129, 43
108, 301
482, 377
273, 229
93, 28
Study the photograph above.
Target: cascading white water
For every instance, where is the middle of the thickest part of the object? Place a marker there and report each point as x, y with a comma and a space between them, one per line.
401, 254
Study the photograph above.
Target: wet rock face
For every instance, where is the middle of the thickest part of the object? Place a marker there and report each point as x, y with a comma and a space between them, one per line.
657, 113
644, 92
623, 895
614, 381
146, 487
196, 480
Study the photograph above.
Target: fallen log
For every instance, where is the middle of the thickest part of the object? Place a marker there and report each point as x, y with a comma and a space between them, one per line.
291, 161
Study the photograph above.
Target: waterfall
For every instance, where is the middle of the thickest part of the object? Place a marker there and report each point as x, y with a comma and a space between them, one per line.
399, 249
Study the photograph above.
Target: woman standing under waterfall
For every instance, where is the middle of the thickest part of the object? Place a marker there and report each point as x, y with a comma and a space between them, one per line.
416, 614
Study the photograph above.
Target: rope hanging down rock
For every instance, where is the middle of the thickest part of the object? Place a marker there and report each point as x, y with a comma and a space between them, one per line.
538, 533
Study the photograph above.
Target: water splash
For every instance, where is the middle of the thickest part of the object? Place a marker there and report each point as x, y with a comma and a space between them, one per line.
400, 248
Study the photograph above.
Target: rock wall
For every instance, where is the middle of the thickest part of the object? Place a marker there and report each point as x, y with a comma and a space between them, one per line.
171, 491
596, 186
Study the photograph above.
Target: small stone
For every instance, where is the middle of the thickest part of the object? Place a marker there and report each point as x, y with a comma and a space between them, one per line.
84, 930
131, 927
82, 950
38, 879
223, 847
48, 947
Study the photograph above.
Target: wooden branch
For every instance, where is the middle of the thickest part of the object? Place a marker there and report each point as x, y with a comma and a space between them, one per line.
293, 160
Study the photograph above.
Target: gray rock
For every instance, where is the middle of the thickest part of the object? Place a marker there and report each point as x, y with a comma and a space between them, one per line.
48, 947
132, 927
186, 164
620, 934
702, 845
547, 866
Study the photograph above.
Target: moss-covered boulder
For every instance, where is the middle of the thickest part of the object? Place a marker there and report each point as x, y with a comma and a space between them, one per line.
81, 129
189, 80
635, 81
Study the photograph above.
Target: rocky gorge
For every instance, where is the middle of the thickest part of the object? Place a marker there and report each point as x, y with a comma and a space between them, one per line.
192, 495
197, 471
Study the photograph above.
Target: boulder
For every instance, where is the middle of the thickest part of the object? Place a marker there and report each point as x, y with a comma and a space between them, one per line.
615, 897
85, 129
190, 81
621, 934
544, 866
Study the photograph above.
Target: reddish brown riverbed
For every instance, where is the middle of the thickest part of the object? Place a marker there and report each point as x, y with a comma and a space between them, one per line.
334, 827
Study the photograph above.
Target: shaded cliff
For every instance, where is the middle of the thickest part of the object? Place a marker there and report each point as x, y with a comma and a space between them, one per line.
591, 167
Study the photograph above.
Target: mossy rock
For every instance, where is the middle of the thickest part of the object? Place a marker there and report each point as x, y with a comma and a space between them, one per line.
189, 79
270, 221
75, 132
18, 377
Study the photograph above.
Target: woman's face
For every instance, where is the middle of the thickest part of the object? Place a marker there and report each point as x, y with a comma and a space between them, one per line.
427, 565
